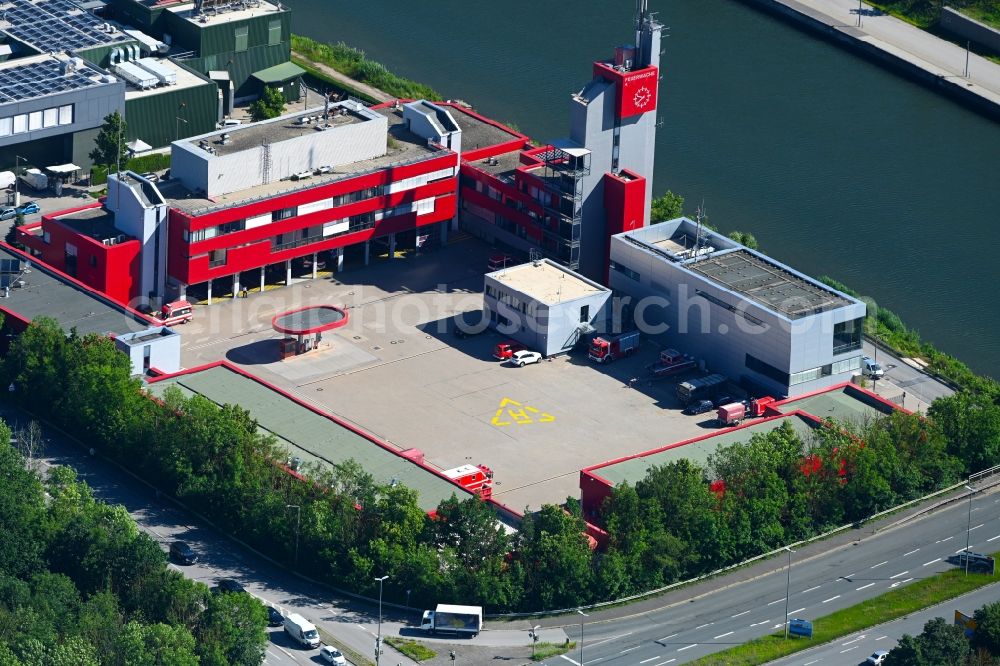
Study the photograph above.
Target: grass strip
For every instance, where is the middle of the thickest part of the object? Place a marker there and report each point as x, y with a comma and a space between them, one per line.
545, 650
334, 83
415, 650
883, 608
353, 656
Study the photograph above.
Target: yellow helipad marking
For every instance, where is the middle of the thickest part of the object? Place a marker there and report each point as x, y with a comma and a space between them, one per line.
517, 413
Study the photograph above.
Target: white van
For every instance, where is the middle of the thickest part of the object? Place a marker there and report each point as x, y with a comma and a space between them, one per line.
302, 630
870, 368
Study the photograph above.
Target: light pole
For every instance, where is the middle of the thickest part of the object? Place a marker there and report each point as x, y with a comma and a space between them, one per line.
17, 177
533, 635
408, 601
298, 522
968, 531
788, 586
177, 127
582, 617
378, 638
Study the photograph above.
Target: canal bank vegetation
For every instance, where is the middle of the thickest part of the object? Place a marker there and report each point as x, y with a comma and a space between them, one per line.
682, 520
893, 604
355, 64
927, 13
888, 329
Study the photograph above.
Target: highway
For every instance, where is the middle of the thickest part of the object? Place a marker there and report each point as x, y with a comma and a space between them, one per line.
818, 586
856, 647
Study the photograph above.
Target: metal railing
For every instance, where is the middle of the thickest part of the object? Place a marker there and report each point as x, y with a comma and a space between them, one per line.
297, 243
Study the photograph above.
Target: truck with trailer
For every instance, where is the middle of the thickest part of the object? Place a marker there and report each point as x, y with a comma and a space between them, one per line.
454, 619
606, 350
699, 388
734, 413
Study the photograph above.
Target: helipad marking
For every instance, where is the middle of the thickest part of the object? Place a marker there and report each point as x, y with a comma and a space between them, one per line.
519, 414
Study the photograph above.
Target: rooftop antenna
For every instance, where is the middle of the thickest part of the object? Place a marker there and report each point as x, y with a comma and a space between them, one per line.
700, 215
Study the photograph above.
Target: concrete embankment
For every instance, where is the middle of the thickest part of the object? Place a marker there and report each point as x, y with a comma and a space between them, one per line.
937, 63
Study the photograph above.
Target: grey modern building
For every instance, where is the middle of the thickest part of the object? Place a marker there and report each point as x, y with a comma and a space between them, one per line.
764, 325
545, 306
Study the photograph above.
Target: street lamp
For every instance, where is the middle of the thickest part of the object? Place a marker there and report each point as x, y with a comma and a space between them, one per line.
788, 585
533, 635
378, 638
298, 522
582, 617
17, 177
968, 532
177, 127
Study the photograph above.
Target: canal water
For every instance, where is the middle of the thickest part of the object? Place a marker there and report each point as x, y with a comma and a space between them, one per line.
838, 166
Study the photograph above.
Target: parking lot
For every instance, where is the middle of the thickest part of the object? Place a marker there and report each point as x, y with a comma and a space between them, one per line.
398, 371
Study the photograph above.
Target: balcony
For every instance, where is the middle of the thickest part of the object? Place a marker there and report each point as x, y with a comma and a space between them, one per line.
309, 240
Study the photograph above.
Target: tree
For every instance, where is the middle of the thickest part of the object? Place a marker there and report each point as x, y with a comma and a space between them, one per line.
971, 425
269, 105
110, 148
744, 238
667, 207
233, 631
939, 644
987, 636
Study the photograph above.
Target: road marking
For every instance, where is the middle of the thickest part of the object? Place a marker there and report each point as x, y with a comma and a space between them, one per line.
858, 589
976, 527
518, 414
757, 624
994, 538
831, 599
881, 637
662, 663
630, 649
572, 661
702, 626
811, 589
776, 601
666, 637
797, 610
900, 582
901, 573
728, 633
962, 550
977, 508
809, 663
651, 659
859, 638
876, 566
931, 562
853, 647
911, 552
943, 540
687, 647
739, 614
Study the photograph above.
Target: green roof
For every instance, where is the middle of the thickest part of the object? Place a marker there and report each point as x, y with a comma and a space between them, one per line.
310, 435
634, 469
286, 71
847, 405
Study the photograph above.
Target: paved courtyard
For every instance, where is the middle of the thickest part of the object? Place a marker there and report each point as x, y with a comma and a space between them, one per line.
397, 371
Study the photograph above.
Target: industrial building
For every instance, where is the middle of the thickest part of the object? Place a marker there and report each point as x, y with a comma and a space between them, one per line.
545, 306
566, 199
844, 402
156, 349
244, 204
766, 326
172, 69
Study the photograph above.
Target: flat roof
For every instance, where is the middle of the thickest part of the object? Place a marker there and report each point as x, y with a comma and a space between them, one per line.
502, 166
185, 79
847, 404
547, 282
768, 283
56, 25
97, 223
635, 468
309, 434
252, 135
476, 132
215, 12
36, 76
405, 148
71, 305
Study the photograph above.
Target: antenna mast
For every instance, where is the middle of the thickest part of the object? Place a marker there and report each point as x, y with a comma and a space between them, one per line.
700, 215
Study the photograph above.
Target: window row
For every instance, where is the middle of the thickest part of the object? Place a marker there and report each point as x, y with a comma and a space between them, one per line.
512, 302
36, 120
624, 270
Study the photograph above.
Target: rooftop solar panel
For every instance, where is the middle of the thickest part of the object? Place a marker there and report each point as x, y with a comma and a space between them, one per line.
56, 25
20, 82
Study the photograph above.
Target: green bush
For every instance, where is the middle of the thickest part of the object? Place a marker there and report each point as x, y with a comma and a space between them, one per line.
140, 164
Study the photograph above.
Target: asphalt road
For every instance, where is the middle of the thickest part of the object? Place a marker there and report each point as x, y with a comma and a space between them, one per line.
854, 649
923, 387
818, 586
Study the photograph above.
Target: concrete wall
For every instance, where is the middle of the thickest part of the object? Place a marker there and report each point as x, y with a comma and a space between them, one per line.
665, 302
592, 126
163, 345
147, 223
969, 28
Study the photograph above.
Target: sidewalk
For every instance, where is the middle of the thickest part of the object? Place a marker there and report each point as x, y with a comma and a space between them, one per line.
371, 91
900, 40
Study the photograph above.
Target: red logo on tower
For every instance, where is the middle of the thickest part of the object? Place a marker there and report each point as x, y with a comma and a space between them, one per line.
637, 92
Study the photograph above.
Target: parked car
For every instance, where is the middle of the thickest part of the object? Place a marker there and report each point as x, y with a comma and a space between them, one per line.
877, 657
28, 208
525, 357
274, 617
228, 585
870, 368
332, 655
504, 350
497, 262
724, 400
183, 553
699, 407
